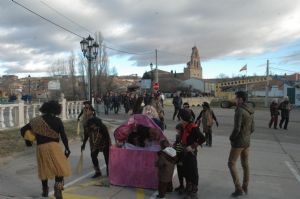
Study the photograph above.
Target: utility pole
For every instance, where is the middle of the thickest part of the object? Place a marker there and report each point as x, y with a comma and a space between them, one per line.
156, 74
267, 85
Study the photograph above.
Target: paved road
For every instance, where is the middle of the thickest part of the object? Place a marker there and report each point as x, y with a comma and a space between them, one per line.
274, 164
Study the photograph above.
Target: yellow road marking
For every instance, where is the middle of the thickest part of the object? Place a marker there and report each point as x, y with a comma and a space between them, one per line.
76, 196
140, 194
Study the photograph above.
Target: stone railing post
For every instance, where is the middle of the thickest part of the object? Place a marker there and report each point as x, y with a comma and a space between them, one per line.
10, 116
33, 111
2, 124
21, 111
93, 102
27, 119
63, 107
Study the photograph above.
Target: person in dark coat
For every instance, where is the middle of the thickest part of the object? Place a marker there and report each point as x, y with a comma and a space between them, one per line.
186, 106
191, 138
138, 107
285, 108
207, 116
107, 102
86, 113
116, 103
274, 114
240, 142
177, 102
165, 164
100, 141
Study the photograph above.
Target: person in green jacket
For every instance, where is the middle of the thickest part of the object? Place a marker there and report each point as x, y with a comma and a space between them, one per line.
240, 142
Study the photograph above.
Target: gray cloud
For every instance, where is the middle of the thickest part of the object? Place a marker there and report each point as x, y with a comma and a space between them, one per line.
218, 29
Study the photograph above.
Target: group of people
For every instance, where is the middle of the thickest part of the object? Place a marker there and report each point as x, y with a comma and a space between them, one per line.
189, 137
206, 116
53, 162
131, 101
283, 109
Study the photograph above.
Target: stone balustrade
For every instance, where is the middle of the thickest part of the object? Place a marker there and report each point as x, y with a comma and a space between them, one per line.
18, 114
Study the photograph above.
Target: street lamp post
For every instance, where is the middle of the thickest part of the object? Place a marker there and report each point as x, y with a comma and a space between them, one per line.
90, 51
29, 86
151, 67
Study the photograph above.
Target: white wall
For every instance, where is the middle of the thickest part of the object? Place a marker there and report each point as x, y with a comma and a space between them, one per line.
274, 92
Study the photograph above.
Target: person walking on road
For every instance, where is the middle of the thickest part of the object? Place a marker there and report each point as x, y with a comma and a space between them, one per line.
285, 108
191, 138
207, 116
240, 142
106, 102
51, 160
274, 114
177, 102
186, 106
100, 141
116, 103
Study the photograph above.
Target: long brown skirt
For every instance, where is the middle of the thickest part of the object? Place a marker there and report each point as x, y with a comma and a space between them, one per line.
52, 161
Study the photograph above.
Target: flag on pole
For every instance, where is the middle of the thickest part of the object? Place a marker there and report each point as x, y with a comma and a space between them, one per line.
243, 68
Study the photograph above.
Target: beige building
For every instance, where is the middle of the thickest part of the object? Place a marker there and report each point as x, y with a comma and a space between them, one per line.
194, 68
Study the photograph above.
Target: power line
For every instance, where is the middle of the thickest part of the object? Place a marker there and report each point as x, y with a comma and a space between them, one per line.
284, 70
172, 53
133, 53
50, 21
64, 16
46, 19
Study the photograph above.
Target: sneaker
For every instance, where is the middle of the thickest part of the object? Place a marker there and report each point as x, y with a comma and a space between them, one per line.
96, 175
237, 193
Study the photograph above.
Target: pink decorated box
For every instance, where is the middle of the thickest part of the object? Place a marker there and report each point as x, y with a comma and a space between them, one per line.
133, 168
130, 165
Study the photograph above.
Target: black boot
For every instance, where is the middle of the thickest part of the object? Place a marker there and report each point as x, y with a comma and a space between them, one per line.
237, 193
45, 188
45, 192
58, 187
97, 172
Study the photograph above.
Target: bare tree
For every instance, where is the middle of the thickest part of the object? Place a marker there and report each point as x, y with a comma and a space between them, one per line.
82, 69
100, 66
58, 68
114, 71
72, 73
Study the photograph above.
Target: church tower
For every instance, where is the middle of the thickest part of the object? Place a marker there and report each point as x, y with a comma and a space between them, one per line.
194, 68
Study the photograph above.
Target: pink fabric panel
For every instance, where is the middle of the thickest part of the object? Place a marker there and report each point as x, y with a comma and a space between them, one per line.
133, 168
122, 132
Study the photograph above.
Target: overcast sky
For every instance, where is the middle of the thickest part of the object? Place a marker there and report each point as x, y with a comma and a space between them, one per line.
227, 33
